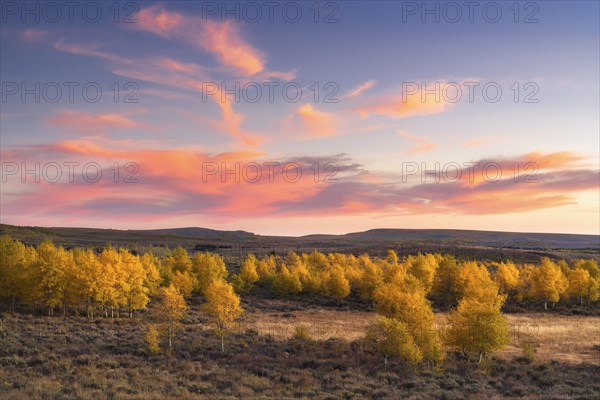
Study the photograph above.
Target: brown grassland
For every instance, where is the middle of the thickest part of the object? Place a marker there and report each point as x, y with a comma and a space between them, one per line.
568, 339
77, 357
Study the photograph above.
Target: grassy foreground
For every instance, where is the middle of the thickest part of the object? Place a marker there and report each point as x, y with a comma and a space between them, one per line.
81, 358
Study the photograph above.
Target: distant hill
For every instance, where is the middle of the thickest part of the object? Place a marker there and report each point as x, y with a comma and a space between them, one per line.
204, 238
100, 237
200, 232
484, 238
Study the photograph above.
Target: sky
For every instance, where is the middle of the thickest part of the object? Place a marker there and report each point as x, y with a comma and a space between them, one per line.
293, 118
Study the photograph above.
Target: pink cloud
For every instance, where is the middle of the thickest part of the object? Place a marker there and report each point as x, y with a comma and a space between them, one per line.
421, 144
157, 20
34, 35
172, 183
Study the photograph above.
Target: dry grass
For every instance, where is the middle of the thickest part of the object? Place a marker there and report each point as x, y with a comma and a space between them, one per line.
81, 358
568, 339
322, 324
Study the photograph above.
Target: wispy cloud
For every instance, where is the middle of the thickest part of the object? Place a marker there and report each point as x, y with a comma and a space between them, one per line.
420, 144
403, 105
222, 39
360, 89
85, 122
34, 35
316, 123
90, 49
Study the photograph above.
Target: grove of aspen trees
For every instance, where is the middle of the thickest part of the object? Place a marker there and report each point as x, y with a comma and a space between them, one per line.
116, 283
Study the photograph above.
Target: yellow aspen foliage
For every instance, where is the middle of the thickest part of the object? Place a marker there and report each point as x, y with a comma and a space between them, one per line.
548, 282
390, 269
407, 303
371, 279
593, 290
132, 287
354, 274
169, 310
88, 273
579, 282
153, 338
293, 258
185, 282
311, 279
337, 285
564, 267
477, 327
523, 290
208, 268
506, 277
423, 267
17, 278
239, 286
223, 307
287, 282
337, 258
266, 269
591, 266
447, 288
392, 338
181, 260
392, 257
475, 282
107, 279
153, 279
317, 261
51, 264
72, 288
248, 272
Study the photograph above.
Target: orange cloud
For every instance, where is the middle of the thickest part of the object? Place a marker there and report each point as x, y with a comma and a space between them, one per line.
87, 121
318, 123
177, 66
225, 41
405, 105
222, 39
231, 121
562, 159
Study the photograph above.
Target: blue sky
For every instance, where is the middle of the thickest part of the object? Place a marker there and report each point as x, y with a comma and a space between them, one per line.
368, 58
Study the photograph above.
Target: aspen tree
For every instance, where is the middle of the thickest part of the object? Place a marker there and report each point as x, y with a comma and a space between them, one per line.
223, 307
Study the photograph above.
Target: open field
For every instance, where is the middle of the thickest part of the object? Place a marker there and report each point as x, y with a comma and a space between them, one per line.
77, 357
565, 339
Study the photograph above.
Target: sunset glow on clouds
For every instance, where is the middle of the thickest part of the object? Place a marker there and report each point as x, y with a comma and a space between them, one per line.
193, 142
